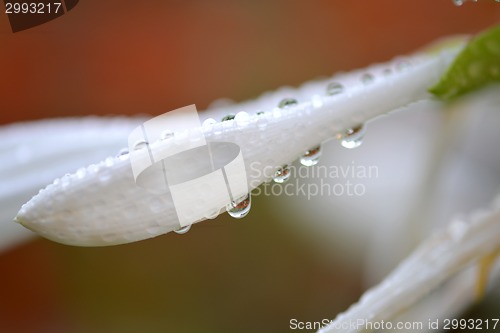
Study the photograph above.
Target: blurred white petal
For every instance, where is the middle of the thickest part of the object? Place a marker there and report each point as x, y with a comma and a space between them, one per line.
436, 260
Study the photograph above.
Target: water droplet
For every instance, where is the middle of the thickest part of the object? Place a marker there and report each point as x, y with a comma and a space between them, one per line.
123, 154
240, 208
403, 65
93, 168
167, 134
262, 121
334, 88
109, 161
183, 230
367, 78
282, 174
80, 173
242, 118
260, 113
228, 117
317, 101
65, 180
140, 145
287, 102
352, 137
209, 123
311, 156
458, 2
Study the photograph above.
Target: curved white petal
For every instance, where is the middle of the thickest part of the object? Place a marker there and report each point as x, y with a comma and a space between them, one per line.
102, 205
33, 154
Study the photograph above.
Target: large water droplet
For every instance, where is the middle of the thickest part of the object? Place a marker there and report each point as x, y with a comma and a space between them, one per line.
352, 137
334, 88
458, 2
287, 102
311, 156
240, 208
228, 117
183, 230
282, 174
367, 78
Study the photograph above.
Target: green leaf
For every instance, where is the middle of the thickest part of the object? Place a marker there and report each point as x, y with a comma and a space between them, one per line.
476, 66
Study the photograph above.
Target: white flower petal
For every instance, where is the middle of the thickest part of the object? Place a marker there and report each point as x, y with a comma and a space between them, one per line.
102, 205
432, 263
33, 154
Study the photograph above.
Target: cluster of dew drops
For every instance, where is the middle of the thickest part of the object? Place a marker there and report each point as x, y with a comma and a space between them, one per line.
349, 138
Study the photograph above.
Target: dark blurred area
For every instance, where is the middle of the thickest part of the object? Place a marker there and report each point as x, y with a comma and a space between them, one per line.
131, 57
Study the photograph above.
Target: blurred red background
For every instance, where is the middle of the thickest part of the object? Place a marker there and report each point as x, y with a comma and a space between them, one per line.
130, 57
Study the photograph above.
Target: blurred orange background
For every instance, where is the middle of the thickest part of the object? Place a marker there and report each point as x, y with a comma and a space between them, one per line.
131, 57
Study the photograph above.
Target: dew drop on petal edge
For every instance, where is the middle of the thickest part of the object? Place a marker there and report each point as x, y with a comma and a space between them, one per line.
287, 102
140, 145
209, 123
183, 230
228, 117
334, 88
282, 174
403, 65
122, 154
311, 156
240, 208
352, 137
367, 78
